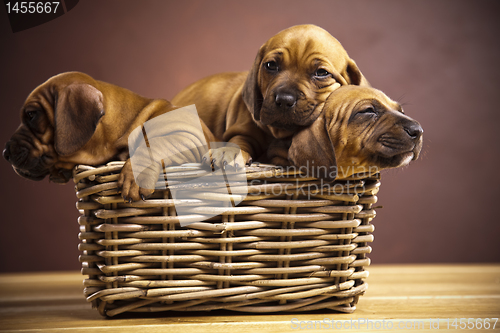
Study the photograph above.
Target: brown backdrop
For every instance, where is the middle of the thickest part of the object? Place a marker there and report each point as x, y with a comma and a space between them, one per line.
439, 58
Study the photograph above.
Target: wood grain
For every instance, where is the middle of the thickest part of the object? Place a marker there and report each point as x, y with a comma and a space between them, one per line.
54, 302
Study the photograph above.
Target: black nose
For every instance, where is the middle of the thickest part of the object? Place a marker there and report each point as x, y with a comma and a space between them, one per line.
6, 153
285, 100
414, 130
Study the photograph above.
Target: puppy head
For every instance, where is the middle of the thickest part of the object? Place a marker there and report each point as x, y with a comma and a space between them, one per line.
293, 74
57, 119
361, 130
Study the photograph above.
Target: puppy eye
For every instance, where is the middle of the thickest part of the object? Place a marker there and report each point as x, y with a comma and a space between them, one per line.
320, 72
271, 66
30, 115
369, 111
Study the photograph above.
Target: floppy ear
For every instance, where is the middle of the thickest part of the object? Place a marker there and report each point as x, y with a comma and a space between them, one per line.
78, 109
353, 75
252, 96
313, 148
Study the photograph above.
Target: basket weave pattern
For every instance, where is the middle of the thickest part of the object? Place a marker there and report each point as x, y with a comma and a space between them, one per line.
297, 251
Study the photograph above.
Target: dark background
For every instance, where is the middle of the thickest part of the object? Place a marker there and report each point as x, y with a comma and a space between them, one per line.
438, 57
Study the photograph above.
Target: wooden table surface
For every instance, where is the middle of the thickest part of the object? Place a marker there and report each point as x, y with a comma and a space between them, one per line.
418, 297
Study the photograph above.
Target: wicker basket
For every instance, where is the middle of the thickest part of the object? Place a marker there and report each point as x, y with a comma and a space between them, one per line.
297, 250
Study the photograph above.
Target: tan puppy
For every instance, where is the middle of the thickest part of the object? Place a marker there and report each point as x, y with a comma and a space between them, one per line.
291, 77
360, 130
73, 119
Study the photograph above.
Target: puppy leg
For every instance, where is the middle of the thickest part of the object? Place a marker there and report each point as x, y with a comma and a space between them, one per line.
277, 153
129, 188
141, 173
224, 157
236, 152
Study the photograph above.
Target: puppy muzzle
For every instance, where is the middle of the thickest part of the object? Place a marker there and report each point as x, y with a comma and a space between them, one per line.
19, 154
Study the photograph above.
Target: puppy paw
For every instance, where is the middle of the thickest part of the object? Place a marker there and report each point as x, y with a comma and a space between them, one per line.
280, 161
130, 190
226, 158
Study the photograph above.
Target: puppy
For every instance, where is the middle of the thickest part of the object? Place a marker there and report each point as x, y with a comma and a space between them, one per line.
360, 130
73, 119
284, 91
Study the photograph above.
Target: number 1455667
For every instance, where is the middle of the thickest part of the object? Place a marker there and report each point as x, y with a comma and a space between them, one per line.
32, 7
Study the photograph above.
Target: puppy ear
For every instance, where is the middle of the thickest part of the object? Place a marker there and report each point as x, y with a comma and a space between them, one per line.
353, 75
252, 96
78, 109
313, 148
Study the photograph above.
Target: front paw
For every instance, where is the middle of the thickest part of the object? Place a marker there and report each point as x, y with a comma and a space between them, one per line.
140, 190
226, 158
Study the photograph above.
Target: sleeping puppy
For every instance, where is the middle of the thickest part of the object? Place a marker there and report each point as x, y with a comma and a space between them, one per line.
360, 129
73, 119
285, 90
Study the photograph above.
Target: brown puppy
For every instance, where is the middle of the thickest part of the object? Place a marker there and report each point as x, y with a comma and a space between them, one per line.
291, 77
73, 119
361, 130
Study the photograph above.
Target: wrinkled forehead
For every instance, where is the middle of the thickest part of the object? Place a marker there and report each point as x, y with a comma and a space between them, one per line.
306, 40
347, 99
40, 93
49, 89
